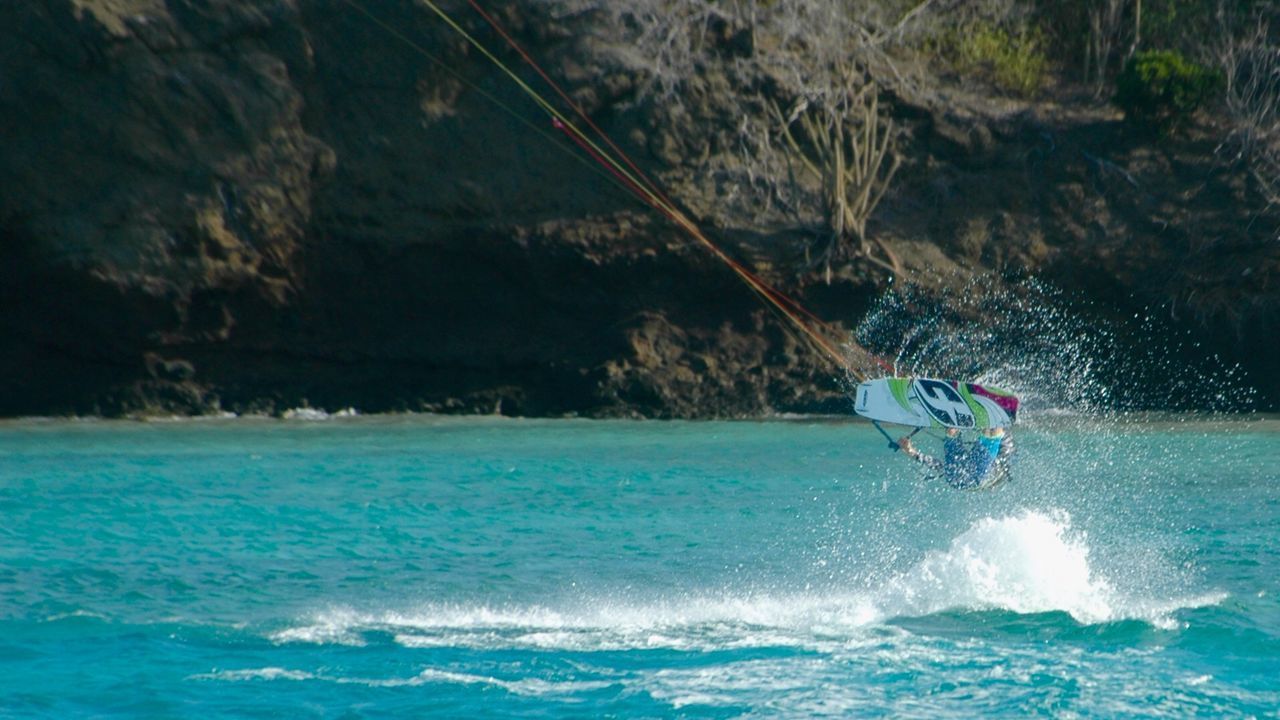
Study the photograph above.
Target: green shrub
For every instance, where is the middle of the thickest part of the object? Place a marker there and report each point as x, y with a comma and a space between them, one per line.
1015, 62
1161, 89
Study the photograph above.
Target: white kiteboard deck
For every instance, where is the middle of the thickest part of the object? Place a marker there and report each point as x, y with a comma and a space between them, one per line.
929, 402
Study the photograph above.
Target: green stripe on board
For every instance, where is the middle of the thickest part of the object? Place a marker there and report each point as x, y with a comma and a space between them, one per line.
979, 412
898, 386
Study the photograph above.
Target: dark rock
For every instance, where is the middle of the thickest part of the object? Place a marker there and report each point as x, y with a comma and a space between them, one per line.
172, 370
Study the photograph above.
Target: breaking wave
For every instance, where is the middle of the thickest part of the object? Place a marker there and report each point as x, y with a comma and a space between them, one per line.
1028, 563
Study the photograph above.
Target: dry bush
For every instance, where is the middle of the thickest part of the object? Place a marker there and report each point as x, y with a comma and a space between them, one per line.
1250, 64
1108, 28
830, 159
798, 53
844, 147
804, 41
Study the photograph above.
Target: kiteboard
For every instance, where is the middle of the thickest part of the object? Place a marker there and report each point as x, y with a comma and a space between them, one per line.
929, 402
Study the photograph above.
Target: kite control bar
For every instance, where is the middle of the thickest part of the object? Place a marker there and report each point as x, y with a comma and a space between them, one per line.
893, 444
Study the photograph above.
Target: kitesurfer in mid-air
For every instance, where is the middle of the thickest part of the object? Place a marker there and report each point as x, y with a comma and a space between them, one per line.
982, 463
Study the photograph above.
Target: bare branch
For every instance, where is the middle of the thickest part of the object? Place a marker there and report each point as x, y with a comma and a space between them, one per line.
1250, 63
845, 149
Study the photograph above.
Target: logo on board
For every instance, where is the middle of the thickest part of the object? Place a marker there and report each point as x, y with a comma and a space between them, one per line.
943, 403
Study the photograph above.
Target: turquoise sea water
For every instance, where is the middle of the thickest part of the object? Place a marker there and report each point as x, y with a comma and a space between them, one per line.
430, 567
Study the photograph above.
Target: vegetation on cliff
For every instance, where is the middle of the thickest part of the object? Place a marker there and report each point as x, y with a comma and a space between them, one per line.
217, 205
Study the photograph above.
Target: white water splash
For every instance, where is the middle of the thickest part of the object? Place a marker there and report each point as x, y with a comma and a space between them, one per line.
1024, 337
1028, 563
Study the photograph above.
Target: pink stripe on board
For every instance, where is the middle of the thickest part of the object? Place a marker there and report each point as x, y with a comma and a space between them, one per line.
1008, 402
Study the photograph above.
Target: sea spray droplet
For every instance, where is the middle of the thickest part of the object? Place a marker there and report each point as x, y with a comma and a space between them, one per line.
1024, 337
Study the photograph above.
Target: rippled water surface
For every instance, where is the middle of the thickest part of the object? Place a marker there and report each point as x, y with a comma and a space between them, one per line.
427, 567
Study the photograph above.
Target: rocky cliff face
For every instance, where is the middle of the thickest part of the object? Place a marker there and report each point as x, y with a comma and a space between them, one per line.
227, 205
159, 185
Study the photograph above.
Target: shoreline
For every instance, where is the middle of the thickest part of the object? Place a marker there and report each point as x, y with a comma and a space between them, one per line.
1041, 419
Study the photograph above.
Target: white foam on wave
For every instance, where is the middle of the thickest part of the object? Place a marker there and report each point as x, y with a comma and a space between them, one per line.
1027, 563
524, 686
693, 624
1032, 562
246, 674
535, 687
333, 627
